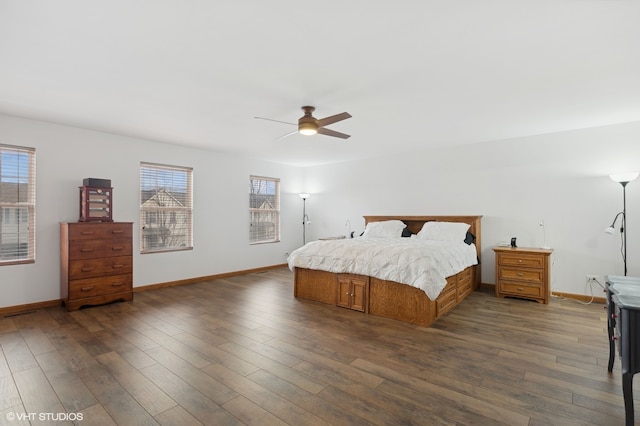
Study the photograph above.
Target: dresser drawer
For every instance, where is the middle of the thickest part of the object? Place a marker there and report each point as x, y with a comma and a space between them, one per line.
99, 231
88, 268
88, 249
521, 260
90, 287
521, 289
526, 275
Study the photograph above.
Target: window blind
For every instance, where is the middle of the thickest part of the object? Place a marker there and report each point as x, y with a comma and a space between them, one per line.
264, 210
17, 204
166, 208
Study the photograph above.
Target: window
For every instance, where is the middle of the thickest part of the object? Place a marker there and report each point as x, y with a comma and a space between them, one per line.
17, 205
166, 208
264, 210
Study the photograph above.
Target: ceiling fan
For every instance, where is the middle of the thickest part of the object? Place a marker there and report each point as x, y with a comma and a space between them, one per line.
309, 125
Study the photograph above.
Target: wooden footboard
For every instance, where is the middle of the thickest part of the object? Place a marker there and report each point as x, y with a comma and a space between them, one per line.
387, 298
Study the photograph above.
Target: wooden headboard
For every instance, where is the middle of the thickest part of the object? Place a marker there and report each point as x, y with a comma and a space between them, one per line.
414, 224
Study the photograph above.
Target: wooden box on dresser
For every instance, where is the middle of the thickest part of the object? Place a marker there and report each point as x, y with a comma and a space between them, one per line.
96, 263
523, 272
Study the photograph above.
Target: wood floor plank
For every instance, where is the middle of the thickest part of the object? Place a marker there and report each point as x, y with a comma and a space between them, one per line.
152, 398
9, 395
117, 402
16, 352
268, 402
68, 386
193, 401
177, 416
251, 414
215, 390
37, 394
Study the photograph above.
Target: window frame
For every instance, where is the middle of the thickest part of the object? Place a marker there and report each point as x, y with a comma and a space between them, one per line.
168, 174
16, 207
254, 234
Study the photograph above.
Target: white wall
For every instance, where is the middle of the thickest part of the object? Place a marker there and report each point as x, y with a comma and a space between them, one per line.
560, 178
67, 155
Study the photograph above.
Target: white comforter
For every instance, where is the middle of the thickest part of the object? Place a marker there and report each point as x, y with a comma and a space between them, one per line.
420, 263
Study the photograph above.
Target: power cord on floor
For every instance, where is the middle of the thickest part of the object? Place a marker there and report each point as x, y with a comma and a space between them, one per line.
590, 282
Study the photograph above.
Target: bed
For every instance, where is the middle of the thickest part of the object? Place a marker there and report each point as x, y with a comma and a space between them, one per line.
370, 294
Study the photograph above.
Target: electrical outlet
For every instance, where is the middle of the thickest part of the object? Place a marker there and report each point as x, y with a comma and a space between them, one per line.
592, 278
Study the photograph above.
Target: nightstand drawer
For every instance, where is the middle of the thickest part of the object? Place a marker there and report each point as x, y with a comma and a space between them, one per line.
521, 260
528, 275
521, 289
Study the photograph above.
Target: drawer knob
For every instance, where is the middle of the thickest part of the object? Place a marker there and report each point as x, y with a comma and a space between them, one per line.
117, 284
87, 288
520, 289
519, 260
86, 250
117, 266
117, 231
520, 274
117, 248
87, 269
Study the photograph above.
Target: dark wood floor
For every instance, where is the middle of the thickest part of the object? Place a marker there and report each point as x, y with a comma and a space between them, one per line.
242, 350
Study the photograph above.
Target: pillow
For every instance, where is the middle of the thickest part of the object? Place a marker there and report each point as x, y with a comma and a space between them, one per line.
470, 238
384, 229
444, 231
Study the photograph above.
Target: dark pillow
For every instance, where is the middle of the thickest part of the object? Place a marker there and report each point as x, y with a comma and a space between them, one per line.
406, 232
469, 238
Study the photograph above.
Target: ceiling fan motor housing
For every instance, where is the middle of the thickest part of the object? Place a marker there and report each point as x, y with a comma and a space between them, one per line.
307, 125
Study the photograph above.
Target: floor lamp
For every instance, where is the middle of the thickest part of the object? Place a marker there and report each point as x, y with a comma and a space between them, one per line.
623, 179
305, 218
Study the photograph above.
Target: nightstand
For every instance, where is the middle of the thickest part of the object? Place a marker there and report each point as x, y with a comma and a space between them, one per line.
523, 272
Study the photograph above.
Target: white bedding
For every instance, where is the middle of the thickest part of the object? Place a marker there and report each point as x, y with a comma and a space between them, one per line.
420, 263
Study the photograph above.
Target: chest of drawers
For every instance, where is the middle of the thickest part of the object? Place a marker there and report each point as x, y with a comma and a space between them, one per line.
96, 263
523, 273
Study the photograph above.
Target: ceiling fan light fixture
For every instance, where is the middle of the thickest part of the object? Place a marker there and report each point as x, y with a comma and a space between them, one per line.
307, 129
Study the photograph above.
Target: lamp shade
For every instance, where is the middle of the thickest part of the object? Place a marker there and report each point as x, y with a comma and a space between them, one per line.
624, 177
307, 129
304, 196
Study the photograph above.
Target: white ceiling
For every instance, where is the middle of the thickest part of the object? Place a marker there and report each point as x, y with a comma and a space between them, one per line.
414, 74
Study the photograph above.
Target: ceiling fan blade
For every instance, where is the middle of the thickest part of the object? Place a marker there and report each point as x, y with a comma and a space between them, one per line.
329, 132
277, 121
333, 119
285, 135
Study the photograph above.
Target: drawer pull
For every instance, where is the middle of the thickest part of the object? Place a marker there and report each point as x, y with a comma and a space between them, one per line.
86, 250
117, 266
119, 284
520, 289
87, 288
87, 269
117, 248
117, 231
86, 232
520, 274
519, 260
